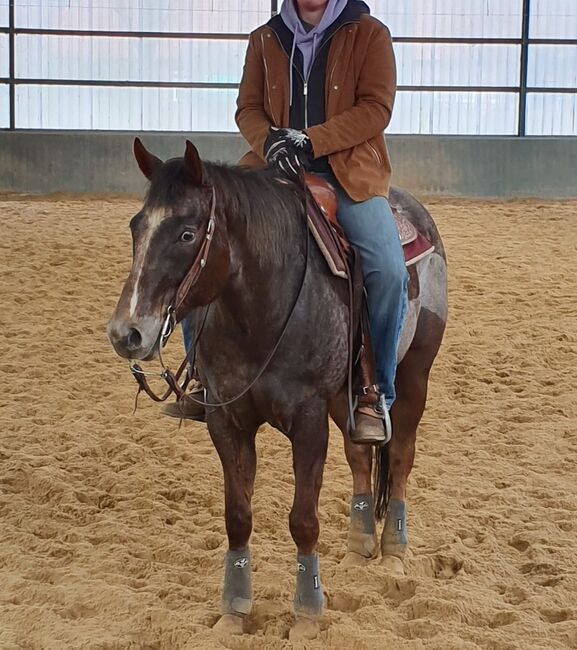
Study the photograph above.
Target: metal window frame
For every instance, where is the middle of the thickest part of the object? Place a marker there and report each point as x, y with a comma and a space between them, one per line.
522, 89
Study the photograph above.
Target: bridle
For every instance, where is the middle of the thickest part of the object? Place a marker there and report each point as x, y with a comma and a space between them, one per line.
173, 315
170, 321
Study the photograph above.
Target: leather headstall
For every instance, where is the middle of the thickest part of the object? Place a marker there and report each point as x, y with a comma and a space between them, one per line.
173, 316
191, 278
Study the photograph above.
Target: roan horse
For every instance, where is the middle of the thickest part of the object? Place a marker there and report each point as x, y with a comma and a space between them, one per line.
261, 265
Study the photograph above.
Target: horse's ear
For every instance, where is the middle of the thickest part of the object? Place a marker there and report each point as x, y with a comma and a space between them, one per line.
147, 162
193, 164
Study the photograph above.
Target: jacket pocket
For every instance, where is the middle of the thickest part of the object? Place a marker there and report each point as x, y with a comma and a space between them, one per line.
376, 155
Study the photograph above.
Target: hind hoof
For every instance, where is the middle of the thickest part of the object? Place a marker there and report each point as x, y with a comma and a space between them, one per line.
354, 559
393, 565
229, 624
304, 629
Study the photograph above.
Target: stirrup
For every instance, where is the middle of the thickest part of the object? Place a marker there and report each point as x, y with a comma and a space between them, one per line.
383, 411
388, 426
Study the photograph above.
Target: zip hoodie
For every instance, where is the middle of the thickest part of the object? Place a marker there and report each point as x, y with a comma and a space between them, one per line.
307, 41
307, 92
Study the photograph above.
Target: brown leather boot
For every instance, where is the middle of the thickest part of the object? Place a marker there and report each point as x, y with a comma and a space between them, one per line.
186, 408
372, 427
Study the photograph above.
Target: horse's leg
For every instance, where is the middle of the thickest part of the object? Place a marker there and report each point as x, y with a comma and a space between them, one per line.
406, 413
309, 437
236, 449
362, 543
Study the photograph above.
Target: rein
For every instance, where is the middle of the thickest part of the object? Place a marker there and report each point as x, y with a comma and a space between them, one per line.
170, 321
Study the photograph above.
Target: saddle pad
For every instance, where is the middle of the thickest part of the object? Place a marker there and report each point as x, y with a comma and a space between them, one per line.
417, 249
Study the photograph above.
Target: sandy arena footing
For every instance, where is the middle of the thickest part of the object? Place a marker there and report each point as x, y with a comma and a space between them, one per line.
112, 531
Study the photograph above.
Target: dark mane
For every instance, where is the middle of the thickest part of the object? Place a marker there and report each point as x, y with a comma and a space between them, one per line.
257, 200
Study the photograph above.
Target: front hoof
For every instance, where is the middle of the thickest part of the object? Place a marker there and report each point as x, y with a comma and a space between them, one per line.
304, 629
354, 559
229, 624
393, 565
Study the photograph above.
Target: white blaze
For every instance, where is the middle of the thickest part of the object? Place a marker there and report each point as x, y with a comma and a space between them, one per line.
154, 219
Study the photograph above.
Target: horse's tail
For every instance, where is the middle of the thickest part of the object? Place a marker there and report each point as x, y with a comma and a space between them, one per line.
381, 481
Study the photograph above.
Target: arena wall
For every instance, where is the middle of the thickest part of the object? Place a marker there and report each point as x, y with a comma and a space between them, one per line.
40, 162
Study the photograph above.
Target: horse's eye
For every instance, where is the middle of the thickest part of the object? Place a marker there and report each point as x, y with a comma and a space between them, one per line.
188, 236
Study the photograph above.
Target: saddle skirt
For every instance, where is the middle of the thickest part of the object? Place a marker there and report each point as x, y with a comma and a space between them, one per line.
332, 240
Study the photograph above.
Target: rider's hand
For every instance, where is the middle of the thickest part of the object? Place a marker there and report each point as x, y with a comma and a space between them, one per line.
288, 149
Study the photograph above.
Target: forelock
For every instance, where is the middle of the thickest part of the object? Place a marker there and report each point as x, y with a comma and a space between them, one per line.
168, 185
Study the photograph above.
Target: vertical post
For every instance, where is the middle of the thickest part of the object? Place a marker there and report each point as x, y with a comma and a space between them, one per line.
273, 7
11, 66
524, 66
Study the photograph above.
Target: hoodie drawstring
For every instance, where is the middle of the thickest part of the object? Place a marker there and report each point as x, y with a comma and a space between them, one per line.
291, 63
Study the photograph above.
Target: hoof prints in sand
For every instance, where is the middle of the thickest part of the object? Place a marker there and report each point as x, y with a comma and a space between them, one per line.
112, 529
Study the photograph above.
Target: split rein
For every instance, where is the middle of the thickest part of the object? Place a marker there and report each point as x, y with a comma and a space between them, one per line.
170, 321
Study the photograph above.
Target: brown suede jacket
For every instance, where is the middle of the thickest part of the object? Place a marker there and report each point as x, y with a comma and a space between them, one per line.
359, 95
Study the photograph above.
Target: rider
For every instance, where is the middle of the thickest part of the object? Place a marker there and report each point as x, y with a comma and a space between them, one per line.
317, 90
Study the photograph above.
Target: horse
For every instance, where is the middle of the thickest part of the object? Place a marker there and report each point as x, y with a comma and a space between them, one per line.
272, 347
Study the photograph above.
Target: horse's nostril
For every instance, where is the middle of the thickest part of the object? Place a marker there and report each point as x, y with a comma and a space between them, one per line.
133, 339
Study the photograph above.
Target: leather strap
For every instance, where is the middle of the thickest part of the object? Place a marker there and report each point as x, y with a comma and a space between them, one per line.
171, 379
369, 392
191, 278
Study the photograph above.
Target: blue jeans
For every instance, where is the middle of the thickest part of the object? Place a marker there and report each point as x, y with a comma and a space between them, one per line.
370, 227
187, 333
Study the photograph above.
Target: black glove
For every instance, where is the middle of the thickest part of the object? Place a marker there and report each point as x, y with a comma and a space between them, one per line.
288, 149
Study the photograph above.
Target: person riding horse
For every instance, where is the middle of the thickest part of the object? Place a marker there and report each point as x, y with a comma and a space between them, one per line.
317, 91
228, 246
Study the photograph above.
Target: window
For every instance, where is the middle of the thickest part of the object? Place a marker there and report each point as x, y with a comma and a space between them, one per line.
176, 64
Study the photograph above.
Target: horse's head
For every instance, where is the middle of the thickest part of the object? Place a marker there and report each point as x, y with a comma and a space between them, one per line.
173, 233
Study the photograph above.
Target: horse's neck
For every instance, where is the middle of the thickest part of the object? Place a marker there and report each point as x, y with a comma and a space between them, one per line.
267, 265
266, 233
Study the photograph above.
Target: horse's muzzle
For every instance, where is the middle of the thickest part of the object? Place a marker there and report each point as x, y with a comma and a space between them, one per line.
138, 341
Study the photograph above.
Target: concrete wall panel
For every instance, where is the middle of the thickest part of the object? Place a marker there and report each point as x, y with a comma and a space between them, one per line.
485, 167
